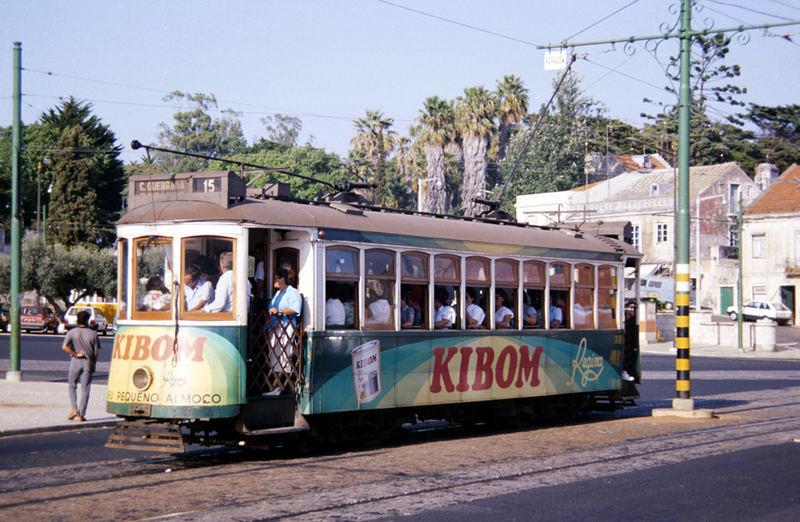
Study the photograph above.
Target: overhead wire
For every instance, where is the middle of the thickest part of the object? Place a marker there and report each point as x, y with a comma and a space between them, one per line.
749, 9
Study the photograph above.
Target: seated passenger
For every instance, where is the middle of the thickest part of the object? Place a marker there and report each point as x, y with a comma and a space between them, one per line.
475, 314
530, 317
556, 317
503, 315
334, 310
223, 293
196, 290
378, 310
157, 298
407, 313
445, 315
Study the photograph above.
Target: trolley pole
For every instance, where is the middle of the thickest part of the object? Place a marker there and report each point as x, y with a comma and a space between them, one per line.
683, 401
14, 373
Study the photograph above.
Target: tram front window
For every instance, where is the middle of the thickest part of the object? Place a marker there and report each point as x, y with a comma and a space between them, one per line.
153, 276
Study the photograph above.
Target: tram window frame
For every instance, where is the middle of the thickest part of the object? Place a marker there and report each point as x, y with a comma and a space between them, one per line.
210, 249
448, 282
167, 276
533, 284
506, 281
288, 258
480, 285
559, 274
416, 285
607, 294
381, 284
345, 280
583, 277
122, 278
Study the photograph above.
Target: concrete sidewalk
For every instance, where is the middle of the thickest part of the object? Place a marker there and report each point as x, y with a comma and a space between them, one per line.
33, 406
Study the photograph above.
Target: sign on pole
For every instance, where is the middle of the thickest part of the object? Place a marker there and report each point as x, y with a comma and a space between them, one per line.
555, 60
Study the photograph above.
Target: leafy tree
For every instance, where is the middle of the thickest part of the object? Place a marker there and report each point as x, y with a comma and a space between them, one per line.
73, 219
779, 137
376, 140
283, 129
63, 276
437, 121
554, 160
475, 113
512, 109
197, 131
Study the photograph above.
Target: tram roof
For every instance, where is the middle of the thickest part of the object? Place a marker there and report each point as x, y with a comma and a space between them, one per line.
372, 224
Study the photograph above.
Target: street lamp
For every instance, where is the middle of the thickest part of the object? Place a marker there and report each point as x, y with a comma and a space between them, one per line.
698, 274
420, 181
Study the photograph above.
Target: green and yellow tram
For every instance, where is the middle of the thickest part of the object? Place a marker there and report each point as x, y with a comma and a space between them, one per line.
353, 360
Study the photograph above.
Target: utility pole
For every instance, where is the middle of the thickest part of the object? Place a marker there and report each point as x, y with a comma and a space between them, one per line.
683, 404
14, 373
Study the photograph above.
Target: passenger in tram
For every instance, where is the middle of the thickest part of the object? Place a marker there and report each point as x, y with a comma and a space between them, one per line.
378, 309
196, 290
208, 269
475, 314
223, 293
334, 308
258, 277
407, 312
157, 298
530, 317
503, 316
556, 313
284, 308
445, 315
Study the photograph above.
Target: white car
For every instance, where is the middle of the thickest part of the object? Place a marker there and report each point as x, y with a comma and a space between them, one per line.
753, 310
97, 320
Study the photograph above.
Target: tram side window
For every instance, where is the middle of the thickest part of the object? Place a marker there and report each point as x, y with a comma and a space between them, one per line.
560, 282
606, 296
533, 279
122, 282
379, 309
414, 292
583, 310
209, 282
342, 284
478, 278
153, 276
446, 273
506, 279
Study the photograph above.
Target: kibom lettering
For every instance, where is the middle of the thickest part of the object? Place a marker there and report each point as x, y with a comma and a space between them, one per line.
143, 347
517, 366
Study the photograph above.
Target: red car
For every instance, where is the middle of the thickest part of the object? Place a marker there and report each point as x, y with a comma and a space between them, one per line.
37, 318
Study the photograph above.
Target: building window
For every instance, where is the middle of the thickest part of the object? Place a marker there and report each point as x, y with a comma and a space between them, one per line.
759, 246
637, 238
662, 232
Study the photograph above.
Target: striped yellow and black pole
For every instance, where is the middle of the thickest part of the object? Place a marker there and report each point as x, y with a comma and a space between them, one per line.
682, 286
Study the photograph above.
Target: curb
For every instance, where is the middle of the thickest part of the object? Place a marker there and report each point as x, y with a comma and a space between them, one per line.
60, 427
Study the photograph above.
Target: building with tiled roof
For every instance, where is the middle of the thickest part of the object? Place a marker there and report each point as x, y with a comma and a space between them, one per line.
647, 199
771, 243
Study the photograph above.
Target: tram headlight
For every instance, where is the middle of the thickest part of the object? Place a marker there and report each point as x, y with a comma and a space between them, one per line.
142, 378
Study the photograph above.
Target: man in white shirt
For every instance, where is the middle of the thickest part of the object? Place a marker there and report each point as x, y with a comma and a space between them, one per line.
445, 315
223, 294
475, 314
196, 290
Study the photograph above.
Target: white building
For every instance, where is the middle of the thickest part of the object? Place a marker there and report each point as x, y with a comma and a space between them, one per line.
648, 200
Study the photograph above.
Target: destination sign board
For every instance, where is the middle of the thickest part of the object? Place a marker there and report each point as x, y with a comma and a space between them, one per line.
220, 187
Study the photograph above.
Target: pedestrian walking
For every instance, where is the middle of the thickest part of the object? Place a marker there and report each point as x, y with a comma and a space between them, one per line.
82, 345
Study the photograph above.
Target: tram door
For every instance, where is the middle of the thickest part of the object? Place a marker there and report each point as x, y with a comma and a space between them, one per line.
274, 362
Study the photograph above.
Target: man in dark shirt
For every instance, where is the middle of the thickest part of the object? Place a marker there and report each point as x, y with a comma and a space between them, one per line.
82, 345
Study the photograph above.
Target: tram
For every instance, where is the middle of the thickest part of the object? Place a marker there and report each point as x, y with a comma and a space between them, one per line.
234, 373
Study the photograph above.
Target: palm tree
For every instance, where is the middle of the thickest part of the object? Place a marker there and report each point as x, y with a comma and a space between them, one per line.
475, 122
513, 107
437, 123
374, 139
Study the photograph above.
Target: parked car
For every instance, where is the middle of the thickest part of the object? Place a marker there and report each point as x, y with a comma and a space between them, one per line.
5, 316
38, 318
97, 320
753, 310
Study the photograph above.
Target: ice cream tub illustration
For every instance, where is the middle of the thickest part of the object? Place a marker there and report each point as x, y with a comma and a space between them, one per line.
367, 371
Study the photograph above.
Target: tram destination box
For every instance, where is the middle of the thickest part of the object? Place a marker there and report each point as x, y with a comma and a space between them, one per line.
222, 188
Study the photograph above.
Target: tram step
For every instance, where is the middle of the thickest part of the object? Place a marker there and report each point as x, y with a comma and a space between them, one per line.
147, 435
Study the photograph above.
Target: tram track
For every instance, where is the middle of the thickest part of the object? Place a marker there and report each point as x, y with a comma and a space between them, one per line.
381, 481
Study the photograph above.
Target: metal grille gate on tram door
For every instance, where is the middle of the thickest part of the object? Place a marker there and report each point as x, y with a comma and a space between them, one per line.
274, 354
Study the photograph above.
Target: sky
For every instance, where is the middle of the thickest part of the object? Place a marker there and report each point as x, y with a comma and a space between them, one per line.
327, 62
